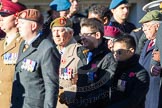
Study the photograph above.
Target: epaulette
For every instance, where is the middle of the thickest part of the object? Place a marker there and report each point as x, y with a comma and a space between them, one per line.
138, 29
18, 39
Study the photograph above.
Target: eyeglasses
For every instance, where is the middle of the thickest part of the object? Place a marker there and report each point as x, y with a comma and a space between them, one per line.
120, 51
87, 34
147, 27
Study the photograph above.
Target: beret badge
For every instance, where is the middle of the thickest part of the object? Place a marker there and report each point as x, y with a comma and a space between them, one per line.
62, 21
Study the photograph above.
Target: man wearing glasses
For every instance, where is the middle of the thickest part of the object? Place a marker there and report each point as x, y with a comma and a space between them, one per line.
151, 23
156, 65
95, 74
131, 81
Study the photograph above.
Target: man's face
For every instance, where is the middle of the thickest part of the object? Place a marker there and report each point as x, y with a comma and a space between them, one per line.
7, 23
25, 28
150, 30
121, 52
121, 12
64, 13
61, 36
88, 37
110, 43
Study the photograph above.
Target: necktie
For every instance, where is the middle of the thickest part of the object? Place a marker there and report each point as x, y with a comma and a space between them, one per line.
89, 57
26, 46
90, 74
150, 45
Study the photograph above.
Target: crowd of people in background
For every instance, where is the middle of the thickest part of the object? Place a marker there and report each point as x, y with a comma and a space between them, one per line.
77, 60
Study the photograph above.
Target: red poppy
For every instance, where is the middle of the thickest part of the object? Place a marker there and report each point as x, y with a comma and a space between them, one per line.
131, 74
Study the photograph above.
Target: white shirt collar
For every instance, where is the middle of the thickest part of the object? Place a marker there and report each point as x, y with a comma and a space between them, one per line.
30, 42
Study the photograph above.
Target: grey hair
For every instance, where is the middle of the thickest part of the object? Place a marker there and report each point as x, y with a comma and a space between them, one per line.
156, 22
69, 29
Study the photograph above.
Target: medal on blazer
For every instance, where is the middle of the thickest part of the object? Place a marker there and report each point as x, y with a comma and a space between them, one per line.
10, 58
121, 85
66, 73
61, 73
28, 65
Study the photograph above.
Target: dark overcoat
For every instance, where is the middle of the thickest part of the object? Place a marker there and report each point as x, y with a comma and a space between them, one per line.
36, 76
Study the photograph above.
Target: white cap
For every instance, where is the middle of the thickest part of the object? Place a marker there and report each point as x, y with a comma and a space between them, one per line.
154, 5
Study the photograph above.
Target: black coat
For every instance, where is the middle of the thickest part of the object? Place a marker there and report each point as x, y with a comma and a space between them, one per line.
36, 76
94, 93
127, 27
130, 85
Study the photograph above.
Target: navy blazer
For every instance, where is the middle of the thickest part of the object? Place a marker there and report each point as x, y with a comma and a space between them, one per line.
158, 46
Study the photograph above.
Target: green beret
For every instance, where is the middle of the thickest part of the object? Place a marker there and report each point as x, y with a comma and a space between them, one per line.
61, 22
154, 15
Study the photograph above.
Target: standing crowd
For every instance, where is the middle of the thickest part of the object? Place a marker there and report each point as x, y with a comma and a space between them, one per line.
96, 59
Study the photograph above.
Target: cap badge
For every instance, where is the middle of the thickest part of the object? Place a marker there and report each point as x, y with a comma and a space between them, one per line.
160, 5
62, 21
24, 14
